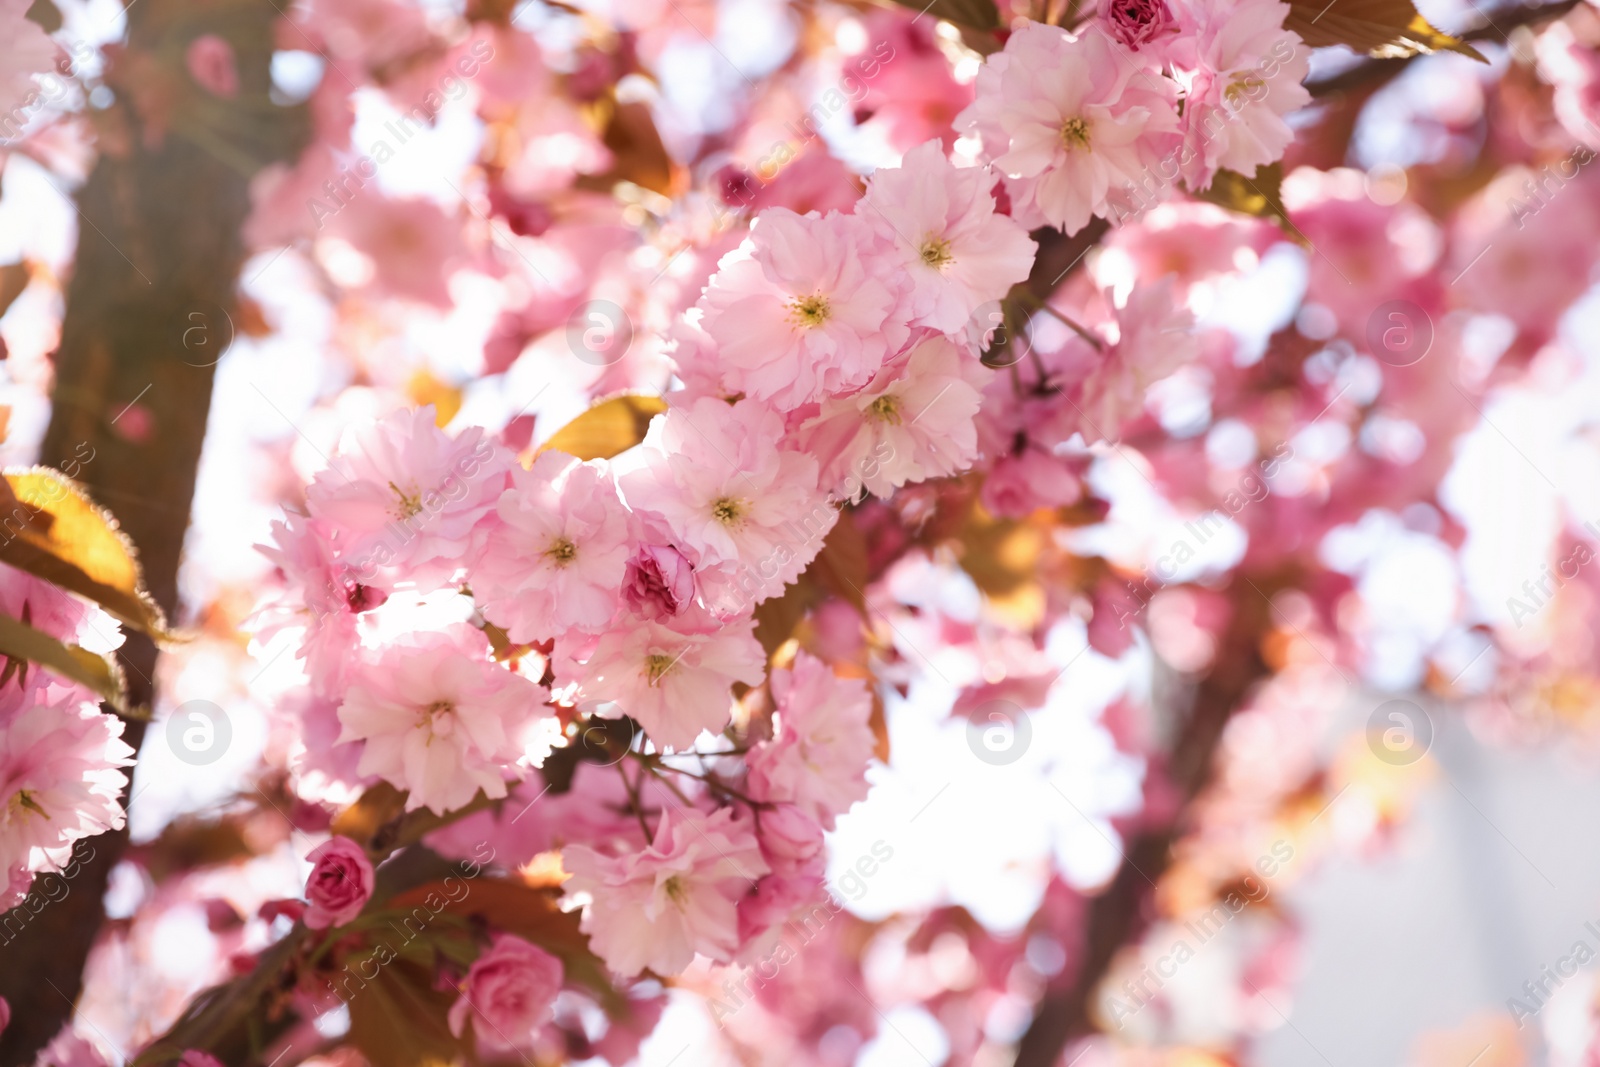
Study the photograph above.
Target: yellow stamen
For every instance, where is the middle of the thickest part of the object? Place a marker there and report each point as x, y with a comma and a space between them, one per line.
810, 311
886, 408
936, 253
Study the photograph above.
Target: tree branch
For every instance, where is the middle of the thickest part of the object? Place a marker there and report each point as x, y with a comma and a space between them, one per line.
1120, 913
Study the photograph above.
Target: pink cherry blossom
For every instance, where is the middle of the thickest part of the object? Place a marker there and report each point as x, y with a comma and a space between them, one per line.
817, 758
816, 182
556, 559
912, 94
61, 615
775, 899
913, 421
1020, 483
743, 509
657, 908
1069, 119
791, 837
413, 244
406, 498
938, 223
797, 311
508, 994
340, 883
370, 33
1573, 69
60, 774
675, 684
1246, 76
438, 718
322, 768
1157, 337
533, 819
1502, 231
322, 598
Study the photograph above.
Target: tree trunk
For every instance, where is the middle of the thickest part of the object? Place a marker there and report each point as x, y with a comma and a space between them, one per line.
149, 307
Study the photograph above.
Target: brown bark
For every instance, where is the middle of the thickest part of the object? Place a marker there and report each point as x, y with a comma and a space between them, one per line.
159, 252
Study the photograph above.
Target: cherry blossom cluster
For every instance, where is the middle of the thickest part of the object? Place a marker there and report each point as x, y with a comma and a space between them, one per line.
61, 757
1108, 120
830, 356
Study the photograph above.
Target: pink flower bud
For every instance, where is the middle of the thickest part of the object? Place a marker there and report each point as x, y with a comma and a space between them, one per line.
510, 989
340, 884
210, 61
659, 582
1136, 22
789, 836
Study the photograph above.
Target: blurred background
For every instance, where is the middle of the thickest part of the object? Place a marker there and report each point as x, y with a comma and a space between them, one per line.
1421, 768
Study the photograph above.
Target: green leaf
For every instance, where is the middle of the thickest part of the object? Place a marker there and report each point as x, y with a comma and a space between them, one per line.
1260, 195
532, 912
379, 822
398, 1018
968, 14
21, 644
50, 528
637, 152
610, 427
1385, 29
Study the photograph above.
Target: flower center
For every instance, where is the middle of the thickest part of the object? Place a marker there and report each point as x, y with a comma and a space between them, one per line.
1074, 134
409, 505
436, 718
23, 801
1243, 91
727, 510
562, 551
886, 408
657, 664
809, 311
936, 252
676, 891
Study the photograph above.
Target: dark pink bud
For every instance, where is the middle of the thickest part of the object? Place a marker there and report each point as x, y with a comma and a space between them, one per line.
1136, 22
659, 582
